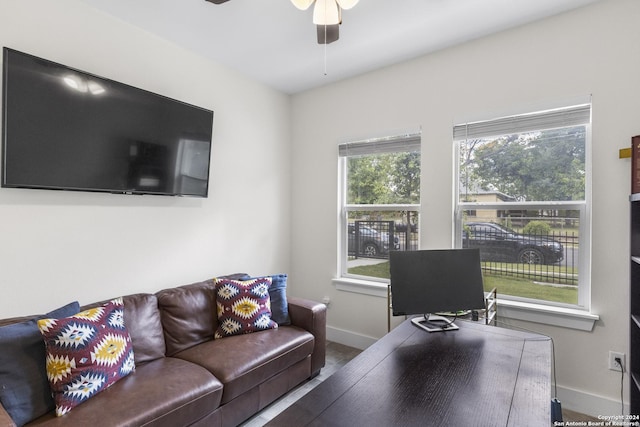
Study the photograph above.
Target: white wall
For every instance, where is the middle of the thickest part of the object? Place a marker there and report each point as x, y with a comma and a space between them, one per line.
60, 246
594, 50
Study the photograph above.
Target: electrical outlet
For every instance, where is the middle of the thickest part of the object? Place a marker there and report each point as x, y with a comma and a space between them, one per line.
613, 364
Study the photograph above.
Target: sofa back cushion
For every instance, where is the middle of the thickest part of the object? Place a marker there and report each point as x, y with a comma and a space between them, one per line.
188, 314
142, 317
24, 389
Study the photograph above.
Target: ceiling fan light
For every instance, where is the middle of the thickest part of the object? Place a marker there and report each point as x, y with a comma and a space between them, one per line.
302, 4
347, 4
326, 12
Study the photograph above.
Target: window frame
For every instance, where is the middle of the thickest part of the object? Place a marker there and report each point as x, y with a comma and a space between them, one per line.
404, 142
577, 115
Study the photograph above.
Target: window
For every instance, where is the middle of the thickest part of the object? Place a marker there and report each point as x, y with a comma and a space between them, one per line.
380, 203
523, 200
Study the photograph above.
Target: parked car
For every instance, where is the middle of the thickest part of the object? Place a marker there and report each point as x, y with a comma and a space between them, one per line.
372, 243
497, 243
401, 226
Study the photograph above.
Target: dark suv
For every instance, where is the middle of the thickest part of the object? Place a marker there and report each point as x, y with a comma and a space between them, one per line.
372, 243
497, 243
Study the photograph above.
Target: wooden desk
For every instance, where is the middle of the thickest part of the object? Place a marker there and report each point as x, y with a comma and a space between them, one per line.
478, 375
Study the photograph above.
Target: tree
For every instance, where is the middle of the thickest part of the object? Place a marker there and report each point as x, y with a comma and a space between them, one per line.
366, 183
536, 166
384, 178
404, 177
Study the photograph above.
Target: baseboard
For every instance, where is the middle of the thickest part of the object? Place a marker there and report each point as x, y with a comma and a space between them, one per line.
589, 404
575, 400
349, 338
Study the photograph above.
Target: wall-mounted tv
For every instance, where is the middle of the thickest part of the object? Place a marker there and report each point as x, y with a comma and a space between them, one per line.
66, 129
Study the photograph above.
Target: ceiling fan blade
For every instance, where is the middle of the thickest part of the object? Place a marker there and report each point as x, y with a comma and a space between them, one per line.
331, 34
217, 1
347, 4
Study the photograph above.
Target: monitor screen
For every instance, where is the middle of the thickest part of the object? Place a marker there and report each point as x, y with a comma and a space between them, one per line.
431, 281
66, 129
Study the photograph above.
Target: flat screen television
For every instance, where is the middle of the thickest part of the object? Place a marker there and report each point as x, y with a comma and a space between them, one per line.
66, 129
427, 282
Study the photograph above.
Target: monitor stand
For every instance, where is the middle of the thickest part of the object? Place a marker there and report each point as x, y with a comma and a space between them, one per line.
434, 323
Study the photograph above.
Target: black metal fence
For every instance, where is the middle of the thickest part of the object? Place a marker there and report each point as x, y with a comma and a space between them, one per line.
375, 239
550, 258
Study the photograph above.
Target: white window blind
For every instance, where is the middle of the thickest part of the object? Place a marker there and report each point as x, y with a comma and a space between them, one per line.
550, 119
393, 144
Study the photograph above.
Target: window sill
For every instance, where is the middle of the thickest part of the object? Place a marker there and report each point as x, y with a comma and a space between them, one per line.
517, 310
572, 318
360, 286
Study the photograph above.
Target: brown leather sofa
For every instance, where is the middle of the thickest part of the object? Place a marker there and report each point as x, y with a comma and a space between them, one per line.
184, 377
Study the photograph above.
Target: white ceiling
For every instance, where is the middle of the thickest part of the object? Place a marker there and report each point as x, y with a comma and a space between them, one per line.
275, 43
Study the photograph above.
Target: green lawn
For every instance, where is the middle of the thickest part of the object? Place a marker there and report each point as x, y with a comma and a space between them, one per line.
528, 289
505, 285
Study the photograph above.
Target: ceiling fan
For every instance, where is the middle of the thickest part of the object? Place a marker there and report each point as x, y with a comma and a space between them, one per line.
327, 15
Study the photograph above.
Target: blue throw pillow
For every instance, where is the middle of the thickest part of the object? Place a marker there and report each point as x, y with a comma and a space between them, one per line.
278, 297
24, 388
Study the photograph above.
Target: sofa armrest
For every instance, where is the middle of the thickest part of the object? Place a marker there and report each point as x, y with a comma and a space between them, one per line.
311, 316
5, 419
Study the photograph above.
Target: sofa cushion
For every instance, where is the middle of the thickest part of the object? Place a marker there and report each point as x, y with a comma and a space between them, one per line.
142, 317
164, 392
24, 389
188, 315
242, 362
243, 306
86, 353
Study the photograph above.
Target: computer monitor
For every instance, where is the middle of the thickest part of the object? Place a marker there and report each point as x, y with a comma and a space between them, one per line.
427, 282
